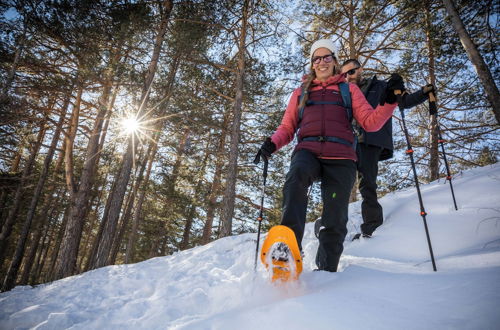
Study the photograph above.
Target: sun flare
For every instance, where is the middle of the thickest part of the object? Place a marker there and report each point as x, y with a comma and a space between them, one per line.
130, 125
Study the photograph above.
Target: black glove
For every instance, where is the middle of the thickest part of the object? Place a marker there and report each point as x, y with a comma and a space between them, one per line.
267, 148
394, 83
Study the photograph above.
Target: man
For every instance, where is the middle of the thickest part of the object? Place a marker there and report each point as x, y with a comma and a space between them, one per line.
375, 146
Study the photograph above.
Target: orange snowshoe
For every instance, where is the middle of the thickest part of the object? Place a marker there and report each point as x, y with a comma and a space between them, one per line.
281, 255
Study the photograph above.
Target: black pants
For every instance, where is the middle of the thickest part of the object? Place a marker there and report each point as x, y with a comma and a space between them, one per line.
371, 210
337, 178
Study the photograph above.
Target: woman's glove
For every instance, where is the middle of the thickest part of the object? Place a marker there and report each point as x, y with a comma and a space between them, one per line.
265, 151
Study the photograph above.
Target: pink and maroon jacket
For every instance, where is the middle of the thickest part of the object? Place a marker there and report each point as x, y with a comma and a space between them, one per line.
329, 120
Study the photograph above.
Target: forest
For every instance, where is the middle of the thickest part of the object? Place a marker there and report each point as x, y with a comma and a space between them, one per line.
128, 128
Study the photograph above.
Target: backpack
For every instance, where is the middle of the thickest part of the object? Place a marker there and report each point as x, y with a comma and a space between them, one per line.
346, 103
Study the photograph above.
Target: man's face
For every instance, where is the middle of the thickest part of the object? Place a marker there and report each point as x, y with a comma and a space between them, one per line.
353, 72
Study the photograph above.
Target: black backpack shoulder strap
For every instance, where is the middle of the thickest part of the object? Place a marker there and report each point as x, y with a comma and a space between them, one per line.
303, 93
346, 98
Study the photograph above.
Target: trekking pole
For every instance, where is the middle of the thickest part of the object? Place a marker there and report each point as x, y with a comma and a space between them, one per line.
409, 151
441, 141
261, 212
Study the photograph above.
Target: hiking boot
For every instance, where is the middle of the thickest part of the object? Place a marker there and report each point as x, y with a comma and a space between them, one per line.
280, 252
317, 227
358, 235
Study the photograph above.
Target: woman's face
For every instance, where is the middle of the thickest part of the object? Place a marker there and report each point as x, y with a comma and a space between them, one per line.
323, 64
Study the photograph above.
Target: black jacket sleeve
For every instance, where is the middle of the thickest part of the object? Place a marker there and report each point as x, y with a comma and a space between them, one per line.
413, 99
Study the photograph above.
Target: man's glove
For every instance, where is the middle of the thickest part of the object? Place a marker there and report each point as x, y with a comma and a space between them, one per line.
394, 83
428, 89
267, 148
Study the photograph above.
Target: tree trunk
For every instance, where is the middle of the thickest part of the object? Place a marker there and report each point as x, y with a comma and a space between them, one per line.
216, 184
129, 254
12, 215
89, 245
190, 216
12, 72
130, 203
433, 126
477, 60
104, 248
40, 259
10, 279
115, 248
229, 193
352, 31
41, 221
212, 202
14, 168
95, 245
39, 248
160, 36
115, 203
58, 241
67, 256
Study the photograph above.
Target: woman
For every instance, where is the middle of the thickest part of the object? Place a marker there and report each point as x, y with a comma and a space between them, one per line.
325, 151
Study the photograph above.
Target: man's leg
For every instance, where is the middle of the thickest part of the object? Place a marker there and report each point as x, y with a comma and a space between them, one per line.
371, 210
337, 180
304, 169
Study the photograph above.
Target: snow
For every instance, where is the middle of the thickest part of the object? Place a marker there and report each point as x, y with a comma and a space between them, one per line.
385, 282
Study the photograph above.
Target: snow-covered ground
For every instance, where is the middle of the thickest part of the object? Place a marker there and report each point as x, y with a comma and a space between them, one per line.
385, 282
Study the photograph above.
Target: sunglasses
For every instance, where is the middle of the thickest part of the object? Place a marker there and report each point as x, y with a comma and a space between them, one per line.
352, 71
326, 58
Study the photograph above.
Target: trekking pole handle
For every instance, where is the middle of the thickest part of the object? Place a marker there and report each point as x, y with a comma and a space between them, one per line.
432, 104
266, 163
399, 95
432, 97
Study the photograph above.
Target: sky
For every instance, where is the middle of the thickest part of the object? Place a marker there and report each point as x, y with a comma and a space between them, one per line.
384, 282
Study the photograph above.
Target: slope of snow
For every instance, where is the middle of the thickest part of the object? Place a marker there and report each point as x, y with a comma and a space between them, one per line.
385, 282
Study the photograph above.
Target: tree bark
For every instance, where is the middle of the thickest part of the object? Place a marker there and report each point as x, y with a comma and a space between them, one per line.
477, 60
229, 193
433, 126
